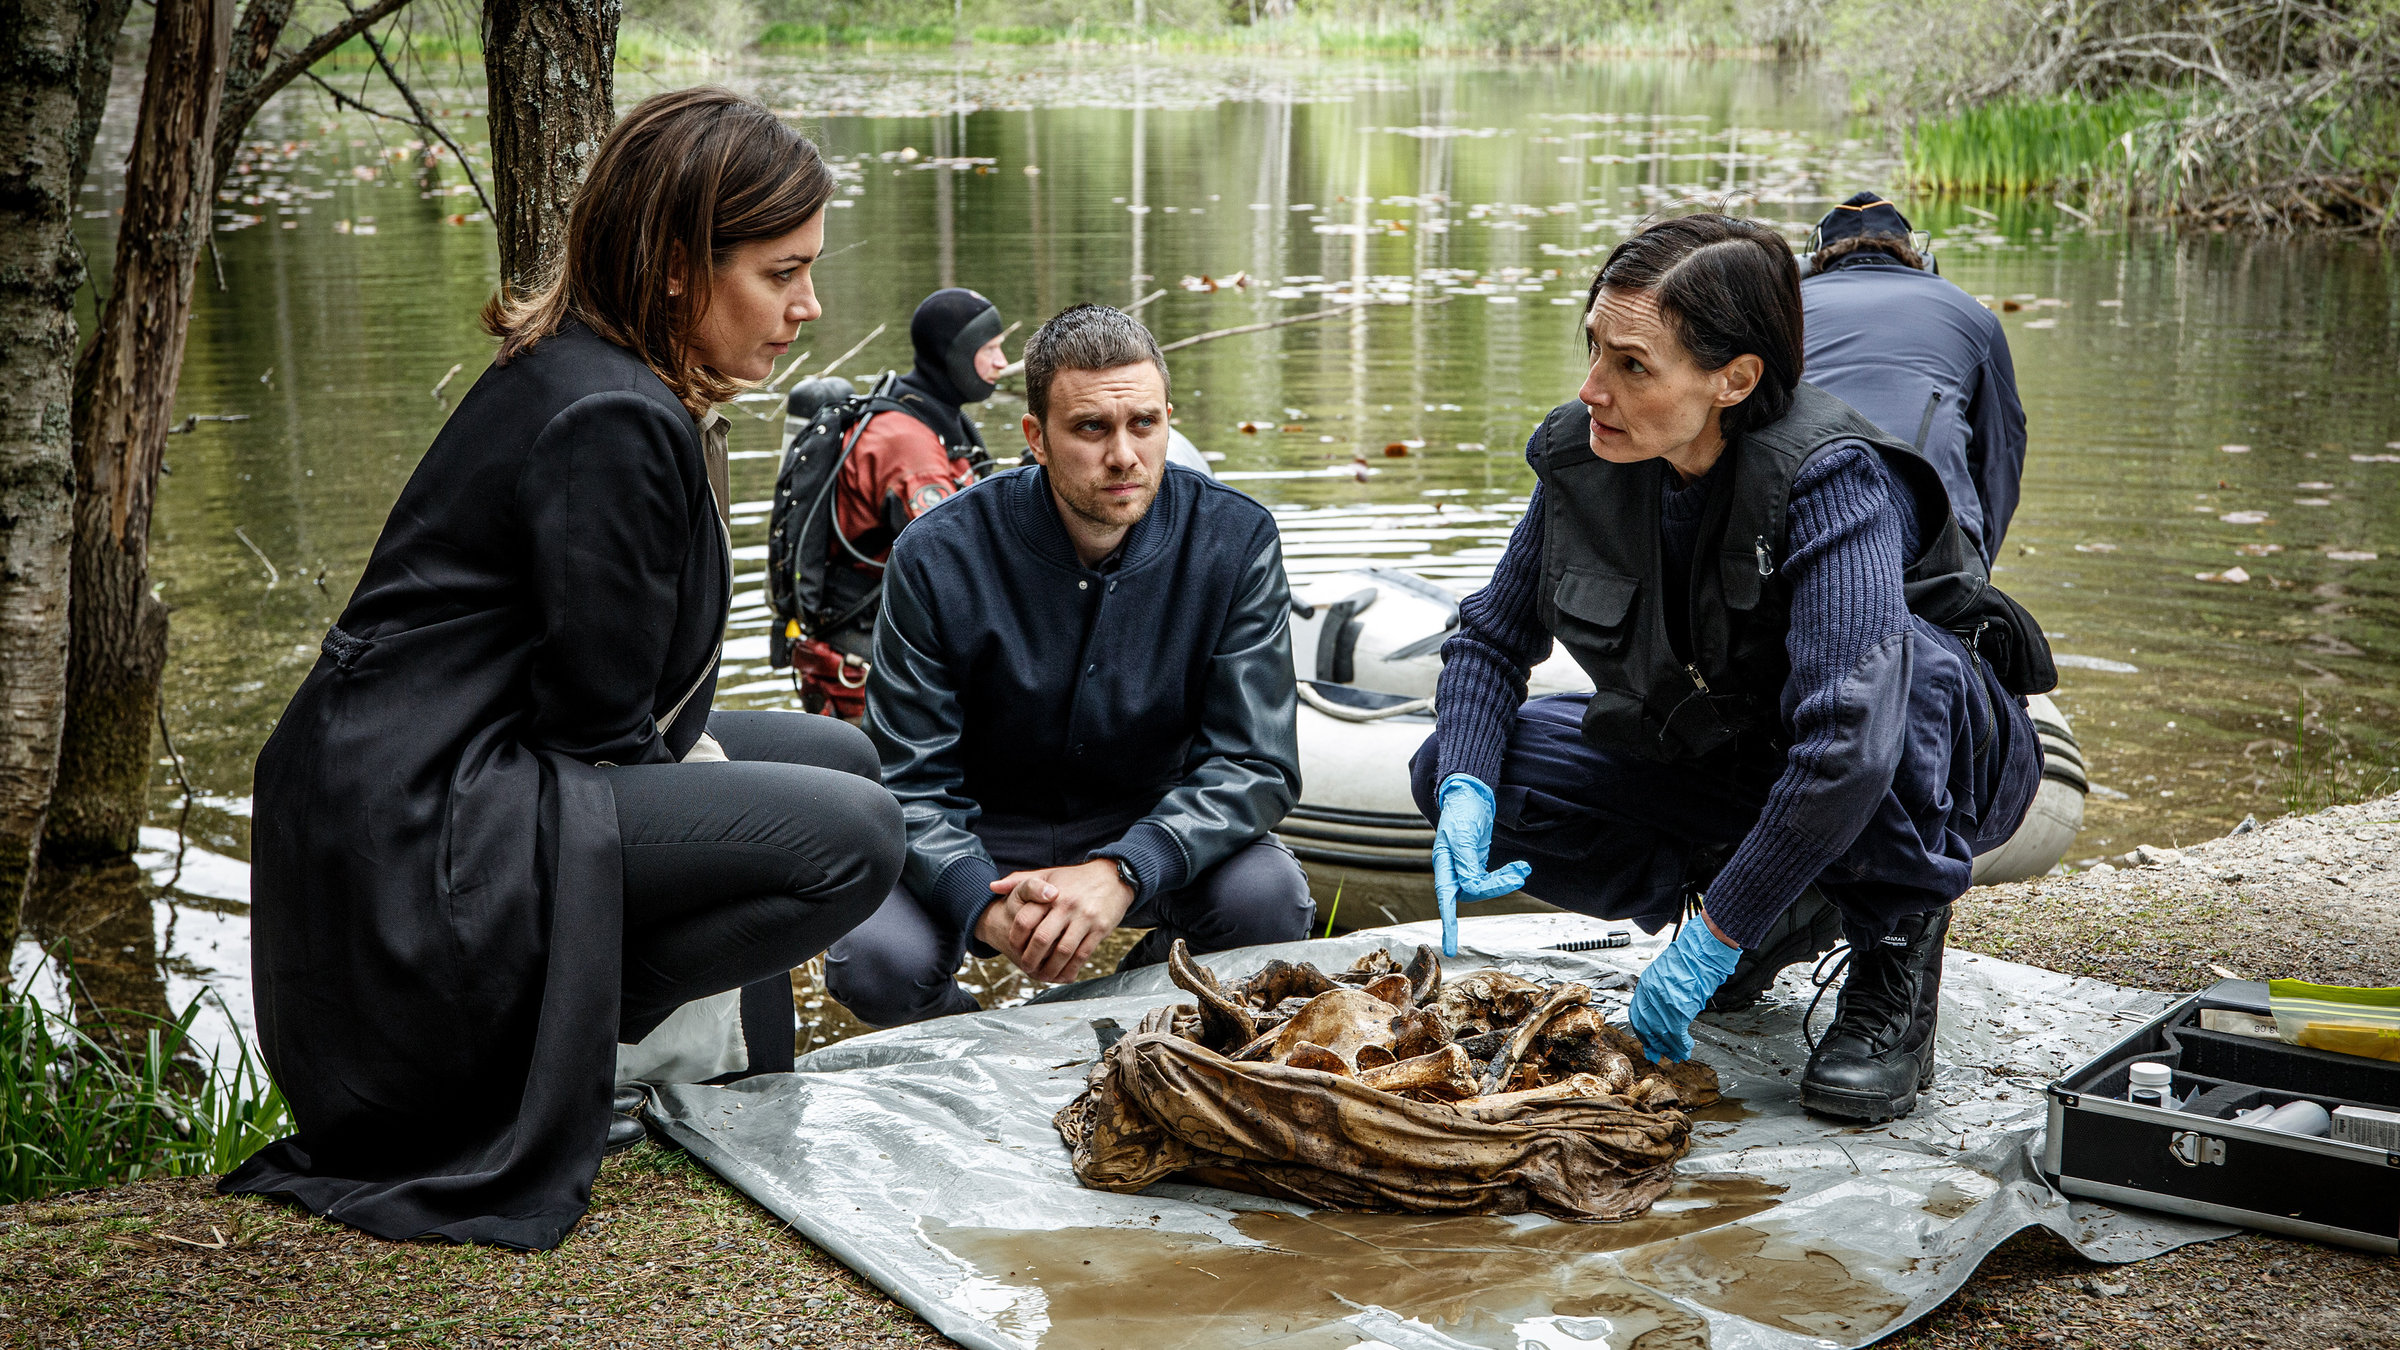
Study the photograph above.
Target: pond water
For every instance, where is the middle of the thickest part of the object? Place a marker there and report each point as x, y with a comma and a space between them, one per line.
2197, 402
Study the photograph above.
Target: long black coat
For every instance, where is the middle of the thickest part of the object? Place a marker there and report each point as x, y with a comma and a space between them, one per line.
436, 899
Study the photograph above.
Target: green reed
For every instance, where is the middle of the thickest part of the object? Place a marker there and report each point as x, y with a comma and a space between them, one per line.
2029, 144
79, 1109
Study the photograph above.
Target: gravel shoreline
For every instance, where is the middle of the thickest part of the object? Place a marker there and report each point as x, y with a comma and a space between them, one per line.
670, 1256
2313, 897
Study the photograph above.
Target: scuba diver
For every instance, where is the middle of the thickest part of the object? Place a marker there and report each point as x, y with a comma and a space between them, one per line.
1918, 356
898, 468
1767, 592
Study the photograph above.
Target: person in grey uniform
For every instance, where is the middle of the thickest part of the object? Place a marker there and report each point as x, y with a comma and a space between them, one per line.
1920, 357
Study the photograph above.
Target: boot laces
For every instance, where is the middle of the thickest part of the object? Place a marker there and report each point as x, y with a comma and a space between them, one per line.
1868, 990
1829, 968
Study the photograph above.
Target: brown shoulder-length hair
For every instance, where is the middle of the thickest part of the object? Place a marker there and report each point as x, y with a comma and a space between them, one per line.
692, 173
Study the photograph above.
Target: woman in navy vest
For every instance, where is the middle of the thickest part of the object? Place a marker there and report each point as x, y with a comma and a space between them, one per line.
1731, 554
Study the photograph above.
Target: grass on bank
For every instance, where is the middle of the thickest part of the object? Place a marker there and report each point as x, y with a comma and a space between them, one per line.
120, 1100
2024, 144
2326, 769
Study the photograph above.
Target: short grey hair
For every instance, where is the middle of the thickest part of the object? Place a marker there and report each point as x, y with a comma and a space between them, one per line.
1086, 337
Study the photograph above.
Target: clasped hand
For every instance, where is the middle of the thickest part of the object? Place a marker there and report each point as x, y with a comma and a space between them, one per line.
1048, 921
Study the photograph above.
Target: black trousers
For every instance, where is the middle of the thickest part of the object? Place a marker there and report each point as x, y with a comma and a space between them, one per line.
738, 872
902, 964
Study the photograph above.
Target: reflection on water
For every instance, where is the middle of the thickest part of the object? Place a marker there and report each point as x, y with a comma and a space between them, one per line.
2196, 403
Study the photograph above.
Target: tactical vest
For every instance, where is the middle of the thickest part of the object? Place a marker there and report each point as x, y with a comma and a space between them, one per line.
1604, 592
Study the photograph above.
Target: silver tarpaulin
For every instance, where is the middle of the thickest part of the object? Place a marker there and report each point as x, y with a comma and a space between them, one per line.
924, 1158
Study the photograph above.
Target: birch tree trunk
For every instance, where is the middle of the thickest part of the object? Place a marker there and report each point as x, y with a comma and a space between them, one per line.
549, 70
124, 393
54, 60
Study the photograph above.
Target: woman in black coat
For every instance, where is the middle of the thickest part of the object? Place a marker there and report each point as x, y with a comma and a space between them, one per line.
486, 846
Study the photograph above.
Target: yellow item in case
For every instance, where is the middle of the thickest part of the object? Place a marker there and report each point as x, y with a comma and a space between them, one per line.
2346, 1021
2345, 1039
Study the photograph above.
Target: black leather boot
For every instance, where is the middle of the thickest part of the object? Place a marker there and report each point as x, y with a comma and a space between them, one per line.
1879, 1050
1807, 930
625, 1127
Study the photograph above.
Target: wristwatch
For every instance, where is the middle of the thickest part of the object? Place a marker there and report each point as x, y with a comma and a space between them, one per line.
1125, 874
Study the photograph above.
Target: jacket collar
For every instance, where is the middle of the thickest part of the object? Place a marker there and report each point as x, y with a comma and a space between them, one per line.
1036, 516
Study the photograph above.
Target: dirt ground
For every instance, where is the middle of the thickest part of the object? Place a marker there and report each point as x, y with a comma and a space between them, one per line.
2313, 897
672, 1257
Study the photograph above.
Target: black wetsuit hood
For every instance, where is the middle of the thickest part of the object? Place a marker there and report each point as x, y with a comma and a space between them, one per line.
947, 330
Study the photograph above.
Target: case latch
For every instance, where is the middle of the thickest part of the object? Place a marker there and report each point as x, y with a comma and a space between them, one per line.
2192, 1148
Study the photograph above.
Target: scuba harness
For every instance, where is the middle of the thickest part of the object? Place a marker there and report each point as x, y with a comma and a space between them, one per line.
810, 597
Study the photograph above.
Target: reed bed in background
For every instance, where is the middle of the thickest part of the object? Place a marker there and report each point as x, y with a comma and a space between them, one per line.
2025, 144
79, 1109
2261, 114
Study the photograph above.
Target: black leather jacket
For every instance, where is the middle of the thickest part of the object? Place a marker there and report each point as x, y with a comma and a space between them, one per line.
1008, 677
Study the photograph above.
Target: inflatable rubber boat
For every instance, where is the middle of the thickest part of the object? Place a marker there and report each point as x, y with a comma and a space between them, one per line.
1366, 647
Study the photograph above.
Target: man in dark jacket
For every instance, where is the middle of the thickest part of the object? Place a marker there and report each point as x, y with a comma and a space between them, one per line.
1082, 694
1919, 357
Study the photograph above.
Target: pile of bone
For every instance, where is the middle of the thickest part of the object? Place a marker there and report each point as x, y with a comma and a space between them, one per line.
1488, 1035
1383, 1087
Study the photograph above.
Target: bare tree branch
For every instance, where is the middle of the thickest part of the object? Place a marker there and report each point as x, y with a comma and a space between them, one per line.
239, 111
424, 119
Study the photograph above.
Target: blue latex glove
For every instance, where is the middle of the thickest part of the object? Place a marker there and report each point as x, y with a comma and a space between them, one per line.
1677, 986
1462, 840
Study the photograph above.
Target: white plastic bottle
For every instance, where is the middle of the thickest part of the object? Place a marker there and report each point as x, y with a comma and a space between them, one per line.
2301, 1117
2153, 1084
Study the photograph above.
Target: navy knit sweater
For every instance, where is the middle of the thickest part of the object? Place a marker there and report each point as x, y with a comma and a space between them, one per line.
1849, 542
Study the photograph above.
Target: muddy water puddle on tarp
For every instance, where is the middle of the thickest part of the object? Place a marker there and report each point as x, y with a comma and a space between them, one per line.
1484, 1281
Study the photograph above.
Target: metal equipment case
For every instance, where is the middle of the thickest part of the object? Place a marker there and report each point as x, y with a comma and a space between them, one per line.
2198, 1162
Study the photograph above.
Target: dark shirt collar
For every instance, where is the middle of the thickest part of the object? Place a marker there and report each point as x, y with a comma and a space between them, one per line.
1037, 519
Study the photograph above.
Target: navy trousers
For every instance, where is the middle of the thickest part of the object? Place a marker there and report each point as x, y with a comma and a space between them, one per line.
901, 965
1616, 836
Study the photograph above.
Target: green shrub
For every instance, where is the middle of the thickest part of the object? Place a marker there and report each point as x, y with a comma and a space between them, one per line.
78, 1111
793, 35
1020, 35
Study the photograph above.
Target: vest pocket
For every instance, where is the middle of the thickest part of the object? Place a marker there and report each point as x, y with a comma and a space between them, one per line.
1592, 610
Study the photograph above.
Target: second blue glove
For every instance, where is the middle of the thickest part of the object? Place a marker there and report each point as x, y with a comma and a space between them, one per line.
1677, 986
1462, 841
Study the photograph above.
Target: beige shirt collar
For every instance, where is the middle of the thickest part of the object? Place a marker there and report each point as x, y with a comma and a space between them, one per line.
715, 434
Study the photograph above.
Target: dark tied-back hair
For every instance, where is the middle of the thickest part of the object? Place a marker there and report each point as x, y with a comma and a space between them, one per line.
1730, 287
1086, 337
1892, 246
688, 175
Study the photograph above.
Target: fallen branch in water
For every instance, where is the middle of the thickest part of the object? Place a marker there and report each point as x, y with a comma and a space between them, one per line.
196, 419
273, 576
1285, 322
1015, 367
845, 356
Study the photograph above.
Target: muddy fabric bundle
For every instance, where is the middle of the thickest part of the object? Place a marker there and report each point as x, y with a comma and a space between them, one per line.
1378, 1088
